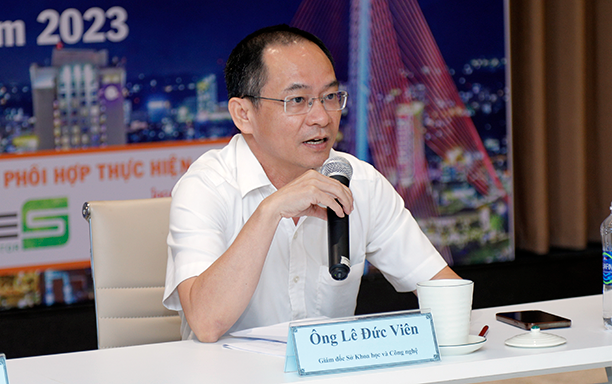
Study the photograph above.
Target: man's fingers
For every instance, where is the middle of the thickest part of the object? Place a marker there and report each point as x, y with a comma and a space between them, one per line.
306, 195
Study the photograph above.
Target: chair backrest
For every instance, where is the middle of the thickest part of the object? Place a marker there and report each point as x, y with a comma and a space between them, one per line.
128, 261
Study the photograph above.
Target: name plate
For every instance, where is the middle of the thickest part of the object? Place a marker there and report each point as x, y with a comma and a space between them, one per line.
361, 342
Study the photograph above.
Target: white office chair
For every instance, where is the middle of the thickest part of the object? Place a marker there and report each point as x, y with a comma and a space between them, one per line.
128, 261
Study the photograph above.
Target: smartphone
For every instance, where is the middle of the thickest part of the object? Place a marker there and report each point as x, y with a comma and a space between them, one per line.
527, 319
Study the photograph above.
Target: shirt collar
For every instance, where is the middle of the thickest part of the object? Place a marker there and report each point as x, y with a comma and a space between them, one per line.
249, 172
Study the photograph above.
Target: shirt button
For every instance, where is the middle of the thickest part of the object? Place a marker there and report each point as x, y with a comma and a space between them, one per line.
296, 279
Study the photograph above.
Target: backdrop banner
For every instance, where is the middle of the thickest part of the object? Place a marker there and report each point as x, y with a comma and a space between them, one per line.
42, 196
86, 86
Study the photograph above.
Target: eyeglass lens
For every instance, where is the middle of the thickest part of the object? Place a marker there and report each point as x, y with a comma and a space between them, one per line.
334, 101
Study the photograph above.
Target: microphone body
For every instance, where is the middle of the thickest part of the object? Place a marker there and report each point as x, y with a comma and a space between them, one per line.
338, 227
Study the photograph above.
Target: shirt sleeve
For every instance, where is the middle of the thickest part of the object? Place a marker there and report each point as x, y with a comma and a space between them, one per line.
197, 235
396, 244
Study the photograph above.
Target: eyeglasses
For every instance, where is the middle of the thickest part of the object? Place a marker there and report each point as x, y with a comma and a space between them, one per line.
300, 105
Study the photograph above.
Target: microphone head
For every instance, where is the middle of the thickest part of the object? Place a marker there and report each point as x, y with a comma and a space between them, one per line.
337, 166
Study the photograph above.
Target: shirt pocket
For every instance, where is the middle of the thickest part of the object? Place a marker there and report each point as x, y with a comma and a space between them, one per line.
338, 298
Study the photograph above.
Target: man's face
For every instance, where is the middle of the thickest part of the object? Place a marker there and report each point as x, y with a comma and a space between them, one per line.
287, 145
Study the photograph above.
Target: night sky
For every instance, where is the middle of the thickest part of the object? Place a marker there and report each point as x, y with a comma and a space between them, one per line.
178, 37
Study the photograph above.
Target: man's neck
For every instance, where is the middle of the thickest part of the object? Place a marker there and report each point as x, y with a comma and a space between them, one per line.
278, 177
278, 174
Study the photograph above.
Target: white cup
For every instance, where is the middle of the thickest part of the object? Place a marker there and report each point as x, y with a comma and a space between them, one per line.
450, 302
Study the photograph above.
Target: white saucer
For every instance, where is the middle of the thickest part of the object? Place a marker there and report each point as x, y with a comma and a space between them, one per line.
474, 343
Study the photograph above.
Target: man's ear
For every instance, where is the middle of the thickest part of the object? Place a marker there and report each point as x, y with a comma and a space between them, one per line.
240, 110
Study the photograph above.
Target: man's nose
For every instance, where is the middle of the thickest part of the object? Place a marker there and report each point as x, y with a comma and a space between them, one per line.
318, 114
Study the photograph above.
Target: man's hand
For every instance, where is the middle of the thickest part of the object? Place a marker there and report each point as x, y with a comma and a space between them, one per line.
309, 193
446, 273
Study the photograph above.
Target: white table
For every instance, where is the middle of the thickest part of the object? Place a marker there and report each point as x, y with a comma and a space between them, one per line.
588, 346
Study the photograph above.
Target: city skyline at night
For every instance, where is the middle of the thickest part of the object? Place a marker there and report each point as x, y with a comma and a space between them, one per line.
172, 60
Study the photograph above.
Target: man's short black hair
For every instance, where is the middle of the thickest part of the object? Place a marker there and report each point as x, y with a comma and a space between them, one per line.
245, 71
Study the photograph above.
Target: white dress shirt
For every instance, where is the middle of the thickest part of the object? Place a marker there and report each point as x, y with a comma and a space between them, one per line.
222, 189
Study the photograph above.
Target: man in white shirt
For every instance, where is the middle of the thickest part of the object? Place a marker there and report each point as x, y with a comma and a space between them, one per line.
247, 226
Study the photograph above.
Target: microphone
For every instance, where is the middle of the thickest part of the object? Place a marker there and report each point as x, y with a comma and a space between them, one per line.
338, 227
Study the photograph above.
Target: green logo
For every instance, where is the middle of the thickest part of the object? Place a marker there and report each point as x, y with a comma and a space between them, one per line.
45, 222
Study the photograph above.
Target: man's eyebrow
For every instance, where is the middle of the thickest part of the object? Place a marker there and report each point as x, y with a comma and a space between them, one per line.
334, 83
296, 86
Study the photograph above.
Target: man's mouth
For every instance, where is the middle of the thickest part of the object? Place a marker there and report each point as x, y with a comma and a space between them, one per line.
316, 141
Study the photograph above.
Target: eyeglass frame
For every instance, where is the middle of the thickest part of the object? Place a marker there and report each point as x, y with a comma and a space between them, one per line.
310, 101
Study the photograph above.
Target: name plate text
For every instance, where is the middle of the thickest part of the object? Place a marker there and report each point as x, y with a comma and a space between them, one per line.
361, 342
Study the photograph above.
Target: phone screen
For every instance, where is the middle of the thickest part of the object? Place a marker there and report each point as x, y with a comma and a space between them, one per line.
527, 319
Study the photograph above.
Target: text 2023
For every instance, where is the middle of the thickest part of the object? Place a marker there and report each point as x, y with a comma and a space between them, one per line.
70, 27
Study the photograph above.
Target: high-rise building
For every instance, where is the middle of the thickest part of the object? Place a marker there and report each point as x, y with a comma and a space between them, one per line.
78, 100
207, 94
